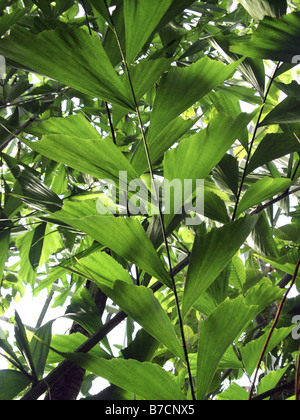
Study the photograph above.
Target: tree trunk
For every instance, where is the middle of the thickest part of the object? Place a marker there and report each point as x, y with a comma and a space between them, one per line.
69, 385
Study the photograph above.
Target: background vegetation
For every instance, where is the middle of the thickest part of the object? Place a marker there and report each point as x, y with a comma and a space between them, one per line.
166, 89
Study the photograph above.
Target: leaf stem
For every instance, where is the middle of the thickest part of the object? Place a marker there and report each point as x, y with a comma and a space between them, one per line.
253, 140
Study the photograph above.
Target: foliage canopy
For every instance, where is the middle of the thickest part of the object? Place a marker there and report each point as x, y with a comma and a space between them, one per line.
159, 90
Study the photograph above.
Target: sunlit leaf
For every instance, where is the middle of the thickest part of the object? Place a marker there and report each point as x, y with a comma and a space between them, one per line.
211, 254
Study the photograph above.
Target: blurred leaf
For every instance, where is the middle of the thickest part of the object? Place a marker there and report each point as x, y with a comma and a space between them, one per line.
12, 383
37, 245
38, 350
261, 8
275, 39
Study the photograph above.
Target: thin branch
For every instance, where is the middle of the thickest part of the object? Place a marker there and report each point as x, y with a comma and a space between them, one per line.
111, 123
276, 200
281, 388
17, 132
297, 382
278, 314
106, 103
253, 140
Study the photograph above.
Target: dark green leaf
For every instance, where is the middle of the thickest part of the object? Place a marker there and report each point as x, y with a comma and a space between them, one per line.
86, 69
273, 146
141, 19
180, 88
276, 39
11, 384
211, 254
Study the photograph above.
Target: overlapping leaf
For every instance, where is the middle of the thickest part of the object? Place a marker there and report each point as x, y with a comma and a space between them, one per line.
276, 39
211, 254
180, 88
141, 19
264, 189
80, 61
126, 237
147, 380
261, 8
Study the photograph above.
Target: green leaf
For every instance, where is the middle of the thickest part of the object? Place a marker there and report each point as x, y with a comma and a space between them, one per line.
37, 245
234, 393
252, 351
147, 380
87, 68
72, 125
197, 155
160, 144
237, 277
211, 253
141, 18
180, 88
9, 19
215, 208
38, 350
126, 237
23, 344
261, 8
34, 192
217, 332
142, 348
271, 380
262, 190
69, 343
99, 158
110, 271
227, 173
141, 305
263, 238
273, 146
275, 39
12, 383
144, 75
286, 112
100, 6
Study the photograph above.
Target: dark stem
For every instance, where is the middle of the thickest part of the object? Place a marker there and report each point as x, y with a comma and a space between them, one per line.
253, 140
270, 203
17, 132
278, 314
110, 123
